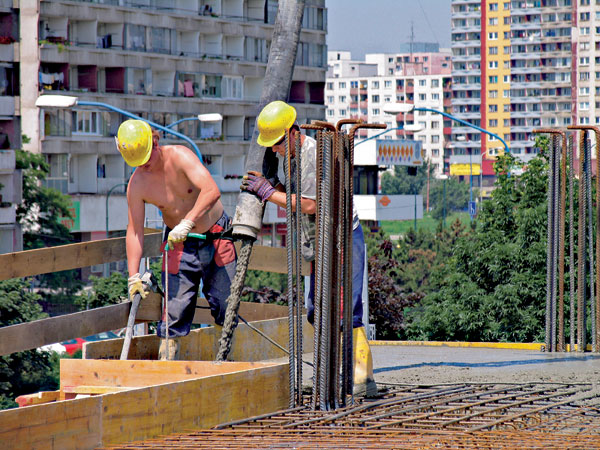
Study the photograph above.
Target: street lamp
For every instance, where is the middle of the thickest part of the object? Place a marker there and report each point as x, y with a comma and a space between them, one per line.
210, 117
67, 101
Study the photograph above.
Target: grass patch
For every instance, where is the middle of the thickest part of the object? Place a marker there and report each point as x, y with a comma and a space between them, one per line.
395, 227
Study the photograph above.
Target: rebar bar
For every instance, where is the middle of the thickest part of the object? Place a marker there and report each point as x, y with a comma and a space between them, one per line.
581, 257
288, 244
572, 322
298, 272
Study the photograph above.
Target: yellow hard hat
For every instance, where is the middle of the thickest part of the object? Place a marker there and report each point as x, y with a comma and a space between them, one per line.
273, 121
134, 141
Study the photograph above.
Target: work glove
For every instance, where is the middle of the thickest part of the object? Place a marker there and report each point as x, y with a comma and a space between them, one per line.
179, 233
136, 286
257, 184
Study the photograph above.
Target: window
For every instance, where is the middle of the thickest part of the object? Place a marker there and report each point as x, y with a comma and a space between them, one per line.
584, 46
493, 36
375, 84
506, 108
584, 91
330, 112
435, 96
506, 93
375, 98
584, 61
422, 97
506, 50
354, 85
232, 87
342, 85
86, 122
493, 21
507, 20
506, 78
506, 5
493, 79
493, 6
493, 64
342, 113
435, 125
493, 50
584, 31
435, 139
58, 174
422, 82
375, 111
342, 98
507, 122
330, 99
435, 83
330, 86
493, 108
584, 106
387, 83
493, 123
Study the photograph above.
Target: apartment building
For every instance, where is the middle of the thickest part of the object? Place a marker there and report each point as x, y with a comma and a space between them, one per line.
362, 89
520, 65
10, 133
161, 60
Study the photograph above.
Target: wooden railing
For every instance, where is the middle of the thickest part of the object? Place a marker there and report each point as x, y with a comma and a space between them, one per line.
30, 335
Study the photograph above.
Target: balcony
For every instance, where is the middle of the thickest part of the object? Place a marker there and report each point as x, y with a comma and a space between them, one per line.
7, 161
8, 214
7, 106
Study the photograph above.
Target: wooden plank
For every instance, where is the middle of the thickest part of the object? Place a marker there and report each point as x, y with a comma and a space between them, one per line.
128, 373
93, 390
270, 259
202, 344
37, 398
199, 403
30, 335
71, 256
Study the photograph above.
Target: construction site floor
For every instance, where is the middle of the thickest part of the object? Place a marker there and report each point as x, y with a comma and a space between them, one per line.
433, 398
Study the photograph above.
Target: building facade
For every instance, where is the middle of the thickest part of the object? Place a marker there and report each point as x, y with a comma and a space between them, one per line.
520, 65
163, 61
10, 129
363, 89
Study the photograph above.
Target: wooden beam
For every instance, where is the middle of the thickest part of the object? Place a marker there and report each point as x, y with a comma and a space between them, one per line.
131, 373
71, 256
38, 398
271, 259
26, 336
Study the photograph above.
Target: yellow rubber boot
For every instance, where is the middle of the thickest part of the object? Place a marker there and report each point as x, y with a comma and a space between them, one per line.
364, 383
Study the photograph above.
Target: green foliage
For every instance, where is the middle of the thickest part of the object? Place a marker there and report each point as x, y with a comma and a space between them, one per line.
105, 291
41, 208
29, 371
265, 287
493, 286
401, 183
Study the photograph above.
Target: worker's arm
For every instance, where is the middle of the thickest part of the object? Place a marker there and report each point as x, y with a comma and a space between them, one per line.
308, 205
134, 240
201, 178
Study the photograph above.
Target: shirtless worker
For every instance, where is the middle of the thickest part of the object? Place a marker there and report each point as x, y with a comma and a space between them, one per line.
273, 121
172, 178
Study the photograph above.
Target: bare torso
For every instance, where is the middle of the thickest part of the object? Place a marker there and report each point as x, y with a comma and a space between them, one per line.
166, 185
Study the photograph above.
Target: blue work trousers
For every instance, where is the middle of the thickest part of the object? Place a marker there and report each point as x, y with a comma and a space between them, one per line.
212, 261
358, 261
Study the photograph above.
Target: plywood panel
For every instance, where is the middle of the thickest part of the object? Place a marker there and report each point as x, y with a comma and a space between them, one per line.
118, 373
271, 259
61, 425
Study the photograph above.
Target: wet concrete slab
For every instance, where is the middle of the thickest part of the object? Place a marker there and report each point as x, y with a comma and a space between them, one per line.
431, 365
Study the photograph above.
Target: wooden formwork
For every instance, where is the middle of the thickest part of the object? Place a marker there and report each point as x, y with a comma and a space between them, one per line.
107, 401
149, 398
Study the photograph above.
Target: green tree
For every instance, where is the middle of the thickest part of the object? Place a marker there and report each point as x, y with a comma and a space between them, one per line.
401, 183
105, 291
493, 286
29, 371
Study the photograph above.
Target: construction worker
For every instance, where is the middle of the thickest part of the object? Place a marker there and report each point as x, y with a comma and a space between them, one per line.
274, 120
172, 178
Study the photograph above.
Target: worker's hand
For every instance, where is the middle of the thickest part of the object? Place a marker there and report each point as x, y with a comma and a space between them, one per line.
136, 286
179, 233
257, 184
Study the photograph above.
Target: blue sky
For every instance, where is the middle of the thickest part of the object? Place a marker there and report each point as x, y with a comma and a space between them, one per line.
371, 26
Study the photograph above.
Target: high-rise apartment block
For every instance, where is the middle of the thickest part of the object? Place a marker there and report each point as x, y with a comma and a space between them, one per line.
161, 60
520, 65
363, 89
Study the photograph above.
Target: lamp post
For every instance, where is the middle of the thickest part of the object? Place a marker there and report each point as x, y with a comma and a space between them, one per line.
67, 101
